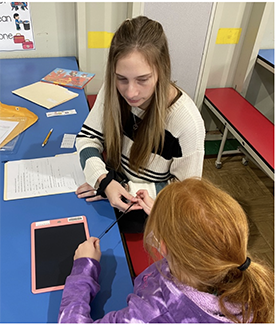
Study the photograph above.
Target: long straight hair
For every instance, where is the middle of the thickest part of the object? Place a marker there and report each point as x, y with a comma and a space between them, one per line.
147, 37
205, 232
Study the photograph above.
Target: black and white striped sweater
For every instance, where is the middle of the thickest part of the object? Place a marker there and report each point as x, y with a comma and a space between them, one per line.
181, 158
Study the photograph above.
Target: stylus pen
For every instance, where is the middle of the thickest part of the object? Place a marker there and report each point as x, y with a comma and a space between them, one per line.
47, 137
108, 229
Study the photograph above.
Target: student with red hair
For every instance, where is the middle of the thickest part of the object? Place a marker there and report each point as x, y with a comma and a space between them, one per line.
206, 275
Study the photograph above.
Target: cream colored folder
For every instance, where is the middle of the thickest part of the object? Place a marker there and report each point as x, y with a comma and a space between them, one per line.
47, 95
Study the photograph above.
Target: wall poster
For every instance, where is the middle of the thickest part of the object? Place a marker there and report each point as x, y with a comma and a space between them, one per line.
15, 27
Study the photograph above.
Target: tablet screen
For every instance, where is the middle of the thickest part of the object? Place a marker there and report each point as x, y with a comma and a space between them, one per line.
53, 248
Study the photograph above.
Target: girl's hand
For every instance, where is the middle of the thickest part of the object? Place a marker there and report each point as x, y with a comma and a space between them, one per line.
115, 192
89, 249
85, 191
145, 201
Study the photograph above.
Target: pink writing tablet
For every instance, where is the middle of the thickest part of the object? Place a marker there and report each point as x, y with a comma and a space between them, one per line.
53, 244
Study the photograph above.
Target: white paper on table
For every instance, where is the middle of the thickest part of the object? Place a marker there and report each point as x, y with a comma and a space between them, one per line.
43, 176
6, 127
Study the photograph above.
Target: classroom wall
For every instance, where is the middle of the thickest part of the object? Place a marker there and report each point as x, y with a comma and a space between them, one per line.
260, 92
268, 39
225, 56
222, 59
186, 25
93, 18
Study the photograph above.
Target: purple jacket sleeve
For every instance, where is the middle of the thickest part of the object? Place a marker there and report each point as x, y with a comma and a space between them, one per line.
80, 288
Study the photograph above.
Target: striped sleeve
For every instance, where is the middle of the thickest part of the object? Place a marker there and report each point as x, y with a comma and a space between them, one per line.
90, 142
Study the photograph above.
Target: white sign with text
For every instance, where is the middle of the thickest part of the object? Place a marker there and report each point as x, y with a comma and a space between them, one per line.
15, 27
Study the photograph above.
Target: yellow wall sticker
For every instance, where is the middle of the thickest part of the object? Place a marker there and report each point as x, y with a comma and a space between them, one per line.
228, 35
99, 39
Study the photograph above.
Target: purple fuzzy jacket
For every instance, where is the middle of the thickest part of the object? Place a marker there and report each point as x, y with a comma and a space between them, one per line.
155, 299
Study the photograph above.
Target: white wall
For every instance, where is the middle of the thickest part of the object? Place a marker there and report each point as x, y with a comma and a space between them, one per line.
54, 30
268, 40
186, 26
225, 56
96, 17
260, 92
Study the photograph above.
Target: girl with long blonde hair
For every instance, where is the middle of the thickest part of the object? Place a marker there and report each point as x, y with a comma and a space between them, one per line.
150, 129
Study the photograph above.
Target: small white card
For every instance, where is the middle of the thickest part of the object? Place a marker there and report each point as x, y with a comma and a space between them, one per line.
61, 113
68, 141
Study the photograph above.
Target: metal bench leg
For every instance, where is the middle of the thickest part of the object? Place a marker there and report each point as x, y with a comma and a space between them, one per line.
245, 160
218, 162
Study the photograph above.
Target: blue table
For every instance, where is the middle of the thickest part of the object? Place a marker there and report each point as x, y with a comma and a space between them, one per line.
17, 303
266, 59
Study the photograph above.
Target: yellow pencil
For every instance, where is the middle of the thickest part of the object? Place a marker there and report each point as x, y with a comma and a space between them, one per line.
47, 137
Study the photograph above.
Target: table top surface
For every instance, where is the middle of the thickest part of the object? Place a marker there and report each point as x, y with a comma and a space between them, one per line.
267, 55
253, 126
18, 303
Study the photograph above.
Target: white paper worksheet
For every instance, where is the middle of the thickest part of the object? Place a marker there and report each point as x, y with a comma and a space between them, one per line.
6, 127
43, 176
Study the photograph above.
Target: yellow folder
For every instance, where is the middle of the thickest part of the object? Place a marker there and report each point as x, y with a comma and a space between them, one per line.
23, 116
